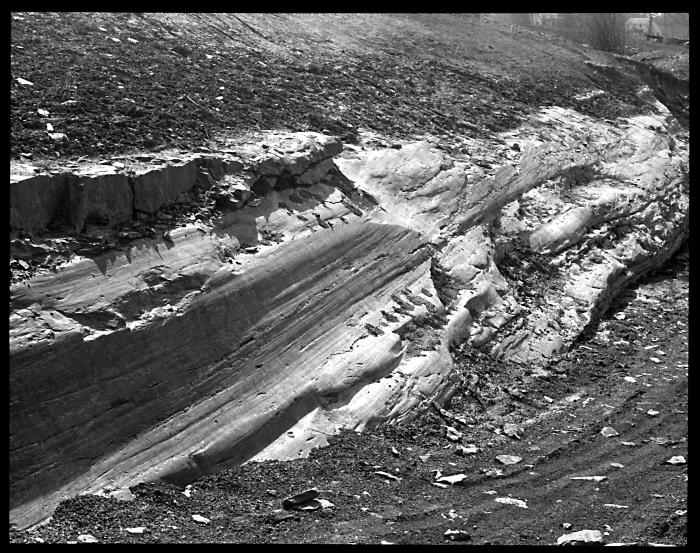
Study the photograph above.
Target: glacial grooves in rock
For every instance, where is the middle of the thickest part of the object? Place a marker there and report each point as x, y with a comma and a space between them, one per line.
325, 295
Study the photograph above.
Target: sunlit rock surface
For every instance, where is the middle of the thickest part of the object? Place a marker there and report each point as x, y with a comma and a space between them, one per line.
181, 355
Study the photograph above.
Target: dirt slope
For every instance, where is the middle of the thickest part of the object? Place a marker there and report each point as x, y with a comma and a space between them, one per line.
120, 83
117, 82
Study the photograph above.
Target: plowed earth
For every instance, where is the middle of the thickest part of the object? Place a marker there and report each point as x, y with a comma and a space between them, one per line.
629, 372
115, 83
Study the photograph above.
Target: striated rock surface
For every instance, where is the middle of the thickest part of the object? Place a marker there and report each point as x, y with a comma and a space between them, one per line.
325, 293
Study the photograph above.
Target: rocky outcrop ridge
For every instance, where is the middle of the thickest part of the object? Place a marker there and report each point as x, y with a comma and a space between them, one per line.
326, 293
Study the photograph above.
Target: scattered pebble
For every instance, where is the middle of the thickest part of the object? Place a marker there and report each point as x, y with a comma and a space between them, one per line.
386, 475
511, 430
302, 497
457, 535
676, 460
615, 506
201, 519
652, 412
136, 530
594, 478
511, 501
87, 538
453, 479
509, 459
582, 536
453, 434
609, 432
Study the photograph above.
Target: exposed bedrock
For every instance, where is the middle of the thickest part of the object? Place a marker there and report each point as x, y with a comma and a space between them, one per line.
172, 358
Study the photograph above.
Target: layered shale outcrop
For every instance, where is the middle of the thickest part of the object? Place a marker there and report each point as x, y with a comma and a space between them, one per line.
308, 287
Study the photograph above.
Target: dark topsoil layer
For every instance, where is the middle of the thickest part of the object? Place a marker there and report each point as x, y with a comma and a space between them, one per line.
115, 83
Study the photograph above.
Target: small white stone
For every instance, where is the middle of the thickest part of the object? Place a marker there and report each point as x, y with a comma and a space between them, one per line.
583, 536
201, 519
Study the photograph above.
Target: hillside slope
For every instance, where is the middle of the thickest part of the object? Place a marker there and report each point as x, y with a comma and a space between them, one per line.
200, 280
118, 82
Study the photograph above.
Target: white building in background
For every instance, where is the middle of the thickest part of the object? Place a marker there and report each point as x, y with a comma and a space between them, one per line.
547, 19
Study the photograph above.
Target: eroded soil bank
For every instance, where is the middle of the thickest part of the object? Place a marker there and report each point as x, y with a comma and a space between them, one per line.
240, 290
628, 371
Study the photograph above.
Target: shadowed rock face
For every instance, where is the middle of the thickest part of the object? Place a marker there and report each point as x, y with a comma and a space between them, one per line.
174, 358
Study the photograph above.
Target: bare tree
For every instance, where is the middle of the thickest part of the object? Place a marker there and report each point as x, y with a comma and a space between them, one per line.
521, 19
605, 31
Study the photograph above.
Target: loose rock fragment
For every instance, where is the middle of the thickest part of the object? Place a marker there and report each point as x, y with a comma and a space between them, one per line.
453, 479
609, 432
453, 434
300, 498
457, 535
594, 478
615, 506
87, 538
511, 430
509, 459
582, 536
676, 460
20, 80
386, 475
466, 450
136, 530
511, 501
652, 412
325, 504
201, 519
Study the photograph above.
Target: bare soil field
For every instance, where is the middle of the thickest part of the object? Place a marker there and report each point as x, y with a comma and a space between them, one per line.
114, 83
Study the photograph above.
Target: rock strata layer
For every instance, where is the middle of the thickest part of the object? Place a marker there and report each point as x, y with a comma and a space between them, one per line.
326, 294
